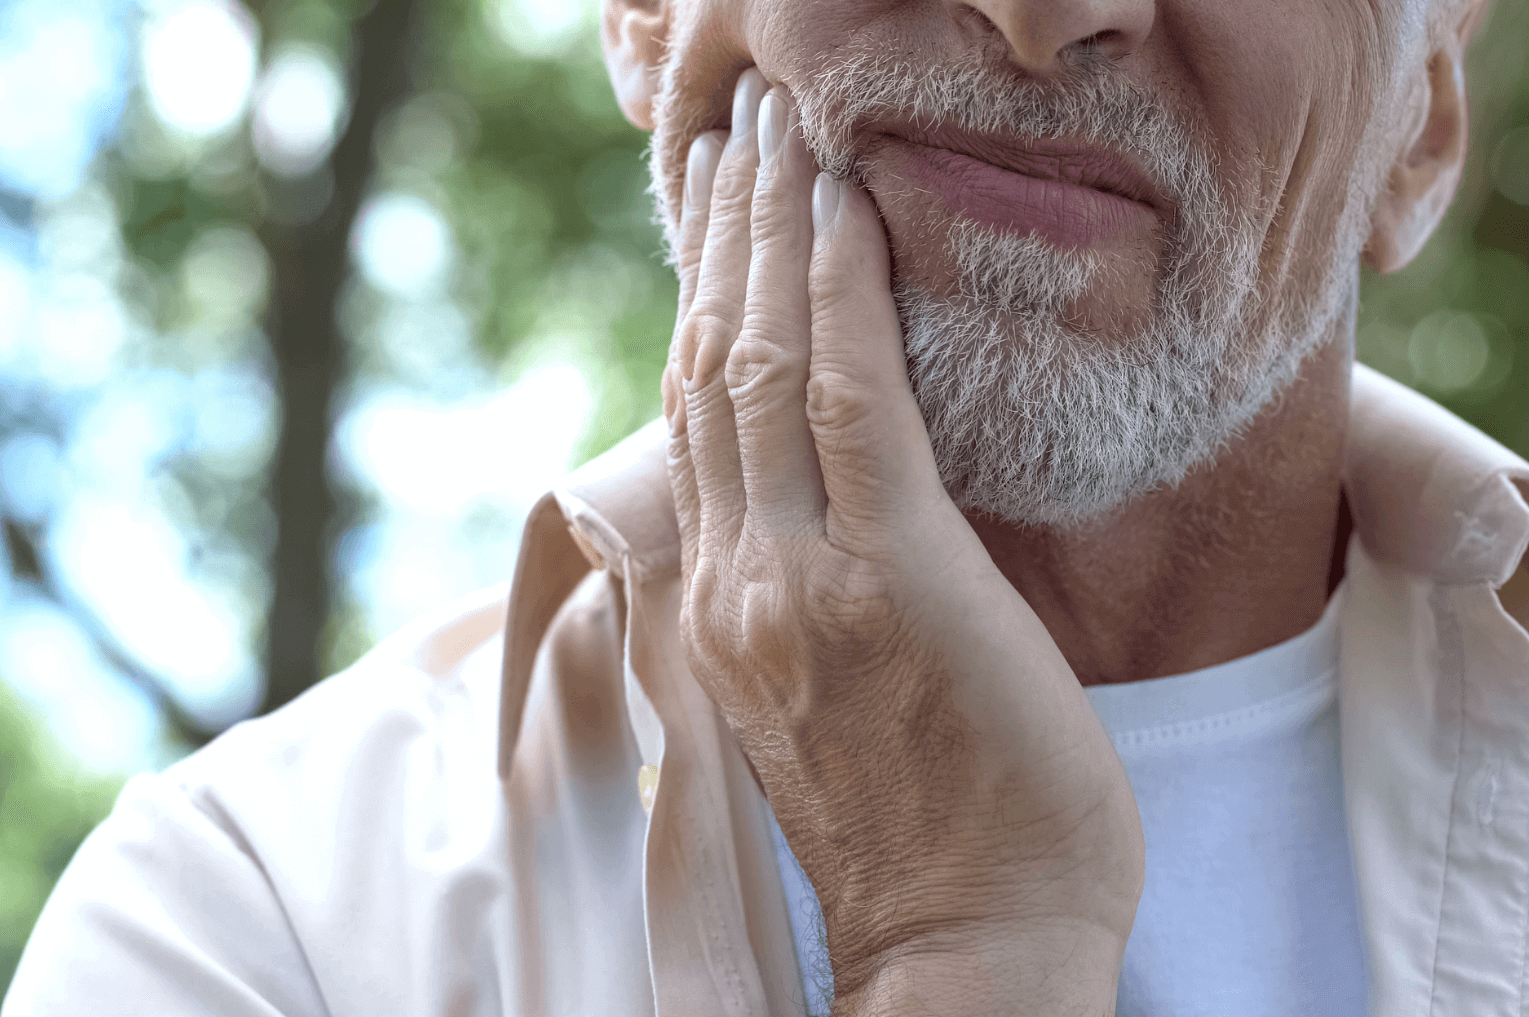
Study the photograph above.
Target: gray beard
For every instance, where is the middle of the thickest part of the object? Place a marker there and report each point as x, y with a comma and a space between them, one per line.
1033, 420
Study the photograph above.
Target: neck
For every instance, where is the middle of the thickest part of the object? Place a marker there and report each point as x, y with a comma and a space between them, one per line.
1240, 556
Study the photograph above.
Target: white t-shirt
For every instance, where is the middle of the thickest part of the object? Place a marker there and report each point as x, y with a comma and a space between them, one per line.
1249, 907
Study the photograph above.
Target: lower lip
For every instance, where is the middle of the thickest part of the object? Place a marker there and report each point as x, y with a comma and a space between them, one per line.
1066, 214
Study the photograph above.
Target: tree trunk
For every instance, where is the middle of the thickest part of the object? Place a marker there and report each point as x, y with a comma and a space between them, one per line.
309, 265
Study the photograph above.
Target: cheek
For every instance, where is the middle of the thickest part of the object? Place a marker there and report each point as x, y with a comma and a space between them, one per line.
1287, 92
706, 54
793, 40
712, 41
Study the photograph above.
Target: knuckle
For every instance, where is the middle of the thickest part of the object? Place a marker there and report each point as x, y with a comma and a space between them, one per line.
837, 402
756, 360
709, 330
846, 593
671, 392
759, 610
770, 642
709, 321
857, 626
701, 593
705, 636
742, 634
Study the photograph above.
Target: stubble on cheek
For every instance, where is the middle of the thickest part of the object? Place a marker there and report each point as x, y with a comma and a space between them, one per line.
696, 82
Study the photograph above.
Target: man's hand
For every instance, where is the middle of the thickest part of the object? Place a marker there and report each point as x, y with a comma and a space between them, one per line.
927, 750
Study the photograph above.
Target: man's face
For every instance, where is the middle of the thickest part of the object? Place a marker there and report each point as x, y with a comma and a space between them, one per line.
1106, 262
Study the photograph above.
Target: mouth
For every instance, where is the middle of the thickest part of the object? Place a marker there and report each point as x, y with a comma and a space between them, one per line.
1070, 194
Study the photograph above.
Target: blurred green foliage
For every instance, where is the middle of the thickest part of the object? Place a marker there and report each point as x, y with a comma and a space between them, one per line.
551, 208
543, 183
47, 806
1455, 323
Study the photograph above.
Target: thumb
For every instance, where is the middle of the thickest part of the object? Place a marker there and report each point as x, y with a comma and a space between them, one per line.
872, 445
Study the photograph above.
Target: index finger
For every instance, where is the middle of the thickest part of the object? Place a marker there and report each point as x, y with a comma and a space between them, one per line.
700, 170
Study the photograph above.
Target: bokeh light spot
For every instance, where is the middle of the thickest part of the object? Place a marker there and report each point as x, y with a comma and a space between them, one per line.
1510, 165
299, 111
30, 475
61, 74
539, 28
107, 723
128, 562
80, 330
458, 478
199, 65
226, 274
403, 245
16, 298
1449, 350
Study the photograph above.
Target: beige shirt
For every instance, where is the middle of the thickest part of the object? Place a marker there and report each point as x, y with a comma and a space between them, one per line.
547, 816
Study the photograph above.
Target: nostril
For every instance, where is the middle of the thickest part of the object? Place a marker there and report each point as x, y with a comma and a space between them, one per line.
1107, 42
1043, 35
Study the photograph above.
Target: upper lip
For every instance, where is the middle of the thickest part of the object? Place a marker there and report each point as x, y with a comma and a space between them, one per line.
1100, 168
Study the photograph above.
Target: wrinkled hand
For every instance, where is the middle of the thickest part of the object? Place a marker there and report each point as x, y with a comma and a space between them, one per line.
927, 750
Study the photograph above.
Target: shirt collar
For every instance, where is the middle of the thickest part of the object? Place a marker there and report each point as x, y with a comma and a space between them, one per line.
1429, 492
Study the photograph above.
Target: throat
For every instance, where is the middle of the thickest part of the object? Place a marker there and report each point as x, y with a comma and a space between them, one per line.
1129, 606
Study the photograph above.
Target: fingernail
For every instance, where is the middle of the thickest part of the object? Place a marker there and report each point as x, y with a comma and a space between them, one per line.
772, 128
751, 88
701, 170
827, 196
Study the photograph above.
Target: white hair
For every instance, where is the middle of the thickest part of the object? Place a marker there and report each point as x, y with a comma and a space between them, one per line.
1032, 418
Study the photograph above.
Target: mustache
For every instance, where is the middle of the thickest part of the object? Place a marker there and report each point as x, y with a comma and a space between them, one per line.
1088, 99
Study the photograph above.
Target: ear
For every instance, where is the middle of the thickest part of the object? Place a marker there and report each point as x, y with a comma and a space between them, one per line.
632, 33
1423, 180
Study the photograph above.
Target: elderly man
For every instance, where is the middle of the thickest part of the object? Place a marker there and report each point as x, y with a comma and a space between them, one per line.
971, 636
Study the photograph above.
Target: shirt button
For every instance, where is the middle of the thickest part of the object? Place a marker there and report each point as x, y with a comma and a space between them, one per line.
647, 786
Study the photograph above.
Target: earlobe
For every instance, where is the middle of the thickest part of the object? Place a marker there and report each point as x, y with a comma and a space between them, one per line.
1423, 180
632, 35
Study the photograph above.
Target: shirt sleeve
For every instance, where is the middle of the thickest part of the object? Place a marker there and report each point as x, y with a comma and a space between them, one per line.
165, 912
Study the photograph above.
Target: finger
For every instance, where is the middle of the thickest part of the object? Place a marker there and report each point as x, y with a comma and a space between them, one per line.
767, 369
700, 169
722, 274
872, 445
712, 324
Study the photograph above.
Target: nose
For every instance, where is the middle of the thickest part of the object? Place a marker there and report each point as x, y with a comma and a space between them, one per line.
1039, 32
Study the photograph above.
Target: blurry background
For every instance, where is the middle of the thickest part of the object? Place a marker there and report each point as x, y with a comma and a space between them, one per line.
302, 302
